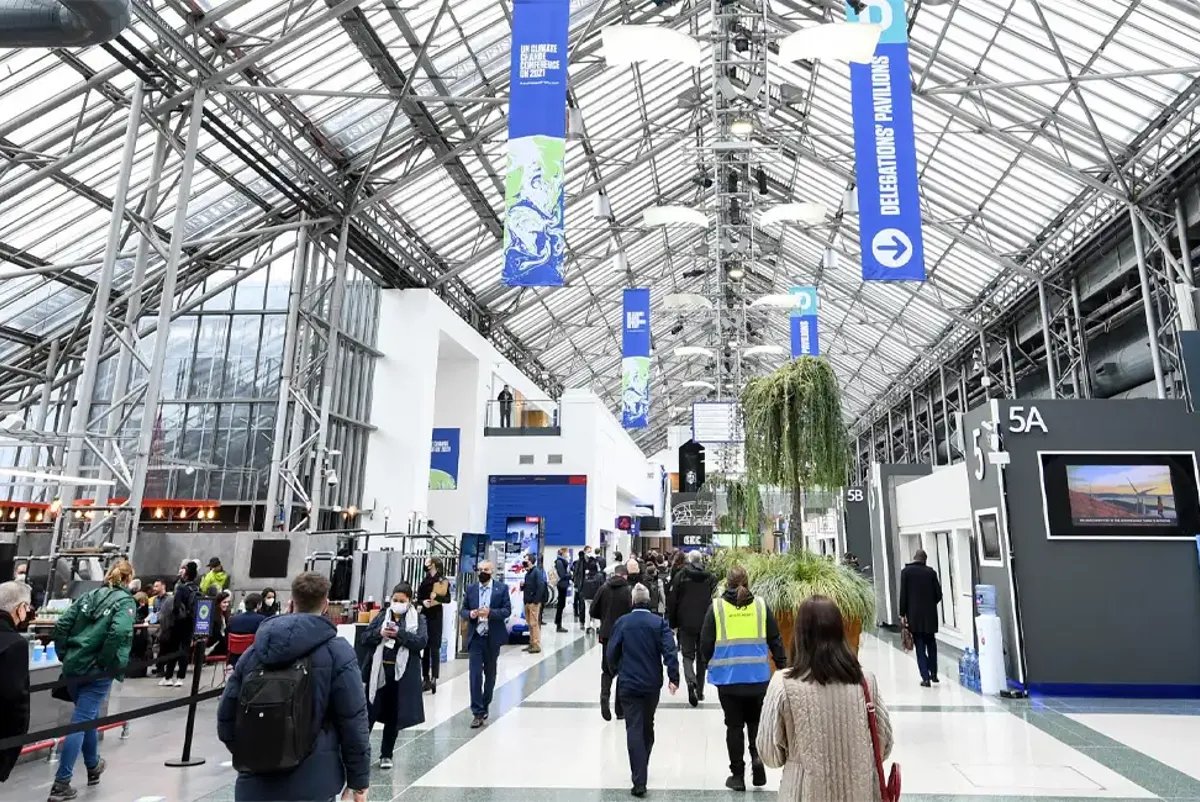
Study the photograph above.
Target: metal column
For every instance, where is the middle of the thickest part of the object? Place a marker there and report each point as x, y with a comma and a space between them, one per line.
891, 451
945, 416
1160, 384
1044, 313
1085, 369
285, 379
328, 372
916, 435
97, 333
1185, 249
165, 304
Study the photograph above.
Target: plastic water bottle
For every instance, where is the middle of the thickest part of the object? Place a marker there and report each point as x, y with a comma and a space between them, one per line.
974, 677
51, 653
962, 668
39, 652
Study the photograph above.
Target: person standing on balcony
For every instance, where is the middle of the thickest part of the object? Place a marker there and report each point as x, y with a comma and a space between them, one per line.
506, 405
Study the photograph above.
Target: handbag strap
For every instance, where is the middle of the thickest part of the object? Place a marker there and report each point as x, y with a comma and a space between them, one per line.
883, 792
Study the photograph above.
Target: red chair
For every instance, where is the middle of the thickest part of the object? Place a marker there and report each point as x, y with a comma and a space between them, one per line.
238, 644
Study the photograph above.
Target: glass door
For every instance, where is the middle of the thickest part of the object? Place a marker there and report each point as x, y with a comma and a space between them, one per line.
943, 563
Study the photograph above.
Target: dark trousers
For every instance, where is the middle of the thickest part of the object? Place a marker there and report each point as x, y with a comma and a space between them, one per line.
386, 703
177, 642
693, 661
639, 732
925, 645
741, 723
505, 414
562, 603
607, 678
482, 675
580, 609
431, 655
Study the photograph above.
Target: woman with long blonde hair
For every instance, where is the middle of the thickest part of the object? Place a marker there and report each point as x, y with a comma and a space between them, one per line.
93, 639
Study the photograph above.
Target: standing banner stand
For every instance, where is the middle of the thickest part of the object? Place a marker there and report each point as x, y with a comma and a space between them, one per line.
204, 614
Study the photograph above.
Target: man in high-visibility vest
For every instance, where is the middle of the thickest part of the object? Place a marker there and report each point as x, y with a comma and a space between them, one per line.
739, 640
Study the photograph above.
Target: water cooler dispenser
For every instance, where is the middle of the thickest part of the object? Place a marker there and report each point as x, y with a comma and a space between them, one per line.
992, 678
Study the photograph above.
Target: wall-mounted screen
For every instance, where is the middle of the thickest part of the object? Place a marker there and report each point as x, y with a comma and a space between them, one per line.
269, 558
989, 538
1120, 495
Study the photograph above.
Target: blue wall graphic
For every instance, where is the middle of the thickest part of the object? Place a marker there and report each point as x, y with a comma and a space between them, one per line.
885, 152
635, 364
561, 502
443, 459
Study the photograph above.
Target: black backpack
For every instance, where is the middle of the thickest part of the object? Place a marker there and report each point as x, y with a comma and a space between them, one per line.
275, 726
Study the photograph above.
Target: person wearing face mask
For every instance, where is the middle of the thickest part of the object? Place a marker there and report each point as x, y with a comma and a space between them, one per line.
270, 604
433, 592
15, 606
562, 574
394, 641
535, 592
588, 579
485, 608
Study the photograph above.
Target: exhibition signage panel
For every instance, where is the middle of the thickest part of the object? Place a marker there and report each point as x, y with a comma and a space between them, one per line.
804, 323
204, 614
534, 243
693, 516
716, 422
635, 362
885, 152
443, 459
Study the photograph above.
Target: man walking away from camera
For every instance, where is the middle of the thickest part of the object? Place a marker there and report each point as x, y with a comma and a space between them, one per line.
920, 594
641, 643
688, 603
612, 601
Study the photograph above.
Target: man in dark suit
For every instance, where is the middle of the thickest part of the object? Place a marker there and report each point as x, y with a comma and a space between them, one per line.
506, 404
920, 594
563, 569
486, 608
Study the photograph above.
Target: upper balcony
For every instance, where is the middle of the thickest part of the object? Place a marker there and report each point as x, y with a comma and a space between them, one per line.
523, 417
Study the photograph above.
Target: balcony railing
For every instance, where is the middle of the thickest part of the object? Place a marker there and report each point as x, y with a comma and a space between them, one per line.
523, 417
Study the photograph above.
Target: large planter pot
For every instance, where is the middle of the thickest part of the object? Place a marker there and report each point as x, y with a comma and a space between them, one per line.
787, 626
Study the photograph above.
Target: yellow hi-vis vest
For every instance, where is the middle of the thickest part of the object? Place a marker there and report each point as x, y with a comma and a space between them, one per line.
741, 654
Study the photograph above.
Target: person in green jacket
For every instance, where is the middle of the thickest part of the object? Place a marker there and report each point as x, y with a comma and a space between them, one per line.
92, 638
216, 577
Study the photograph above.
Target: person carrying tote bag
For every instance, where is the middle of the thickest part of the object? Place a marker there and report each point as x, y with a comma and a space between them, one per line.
815, 724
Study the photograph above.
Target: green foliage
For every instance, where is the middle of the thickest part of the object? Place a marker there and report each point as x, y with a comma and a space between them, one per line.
745, 507
783, 580
795, 434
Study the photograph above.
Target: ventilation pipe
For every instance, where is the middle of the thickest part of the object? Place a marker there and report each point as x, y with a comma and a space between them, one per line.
62, 23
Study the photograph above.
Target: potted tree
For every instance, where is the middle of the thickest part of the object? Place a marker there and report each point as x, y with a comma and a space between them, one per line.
743, 511
785, 579
795, 434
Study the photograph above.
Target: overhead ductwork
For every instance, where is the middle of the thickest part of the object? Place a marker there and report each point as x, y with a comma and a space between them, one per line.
62, 23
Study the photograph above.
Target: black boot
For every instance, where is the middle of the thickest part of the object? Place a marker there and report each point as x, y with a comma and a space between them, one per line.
758, 773
605, 712
736, 782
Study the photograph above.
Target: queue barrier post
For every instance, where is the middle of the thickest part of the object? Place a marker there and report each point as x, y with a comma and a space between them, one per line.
186, 760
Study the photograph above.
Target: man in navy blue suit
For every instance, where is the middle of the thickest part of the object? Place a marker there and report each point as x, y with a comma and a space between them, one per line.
486, 608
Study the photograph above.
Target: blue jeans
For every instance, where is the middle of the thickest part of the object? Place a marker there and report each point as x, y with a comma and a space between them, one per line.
483, 675
89, 696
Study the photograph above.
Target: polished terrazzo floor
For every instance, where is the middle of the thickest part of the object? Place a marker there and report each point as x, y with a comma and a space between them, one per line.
547, 741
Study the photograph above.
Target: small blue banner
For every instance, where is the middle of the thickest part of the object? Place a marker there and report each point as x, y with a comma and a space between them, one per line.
443, 459
635, 362
804, 323
204, 615
535, 183
889, 211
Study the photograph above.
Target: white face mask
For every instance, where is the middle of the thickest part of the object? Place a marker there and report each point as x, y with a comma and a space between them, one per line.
399, 608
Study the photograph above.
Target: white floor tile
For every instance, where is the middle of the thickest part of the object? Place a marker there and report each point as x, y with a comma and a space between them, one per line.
1173, 740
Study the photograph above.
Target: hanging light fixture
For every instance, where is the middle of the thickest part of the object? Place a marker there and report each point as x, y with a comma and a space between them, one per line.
741, 128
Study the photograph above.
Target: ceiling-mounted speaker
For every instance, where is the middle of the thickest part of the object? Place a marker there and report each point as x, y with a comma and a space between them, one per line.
760, 175
731, 182
829, 259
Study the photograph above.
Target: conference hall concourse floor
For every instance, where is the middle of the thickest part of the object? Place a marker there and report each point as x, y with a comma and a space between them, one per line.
547, 741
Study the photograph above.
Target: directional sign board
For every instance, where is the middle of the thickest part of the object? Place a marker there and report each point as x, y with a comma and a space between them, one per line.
204, 614
715, 422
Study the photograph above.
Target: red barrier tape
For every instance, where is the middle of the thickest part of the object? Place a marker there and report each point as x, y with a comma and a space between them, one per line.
40, 745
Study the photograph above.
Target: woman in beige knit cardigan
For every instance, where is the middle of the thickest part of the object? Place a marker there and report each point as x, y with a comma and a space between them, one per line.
814, 719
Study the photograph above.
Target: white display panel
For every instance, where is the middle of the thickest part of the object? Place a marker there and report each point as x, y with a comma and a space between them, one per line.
716, 422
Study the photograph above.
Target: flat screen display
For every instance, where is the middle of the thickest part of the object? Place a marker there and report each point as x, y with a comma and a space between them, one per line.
1098, 495
989, 537
269, 559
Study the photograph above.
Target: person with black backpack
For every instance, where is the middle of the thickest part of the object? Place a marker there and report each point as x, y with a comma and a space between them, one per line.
294, 710
176, 624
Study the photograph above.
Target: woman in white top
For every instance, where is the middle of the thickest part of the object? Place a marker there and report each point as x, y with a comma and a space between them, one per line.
814, 720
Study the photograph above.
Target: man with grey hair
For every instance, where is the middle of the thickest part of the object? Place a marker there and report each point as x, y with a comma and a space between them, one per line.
640, 644
15, 604
689, 601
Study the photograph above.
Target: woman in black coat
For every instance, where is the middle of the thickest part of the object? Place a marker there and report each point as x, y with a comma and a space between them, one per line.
392, 669
432, 594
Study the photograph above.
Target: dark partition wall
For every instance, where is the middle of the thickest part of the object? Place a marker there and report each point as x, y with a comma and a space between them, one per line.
885, 538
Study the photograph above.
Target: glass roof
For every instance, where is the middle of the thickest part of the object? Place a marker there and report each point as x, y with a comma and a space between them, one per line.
1032, 126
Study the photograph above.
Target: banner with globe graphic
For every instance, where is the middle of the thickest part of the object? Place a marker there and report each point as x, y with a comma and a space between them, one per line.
635, 364
534, 187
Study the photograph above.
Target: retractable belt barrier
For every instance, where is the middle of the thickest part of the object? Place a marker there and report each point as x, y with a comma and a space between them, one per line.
190, 702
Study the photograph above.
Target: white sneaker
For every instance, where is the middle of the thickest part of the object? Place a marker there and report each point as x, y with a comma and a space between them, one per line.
164, 683
178, 683
385, 764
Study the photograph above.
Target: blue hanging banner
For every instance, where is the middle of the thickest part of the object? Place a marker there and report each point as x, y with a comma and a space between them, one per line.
804, 323
635, 362
443, 459
535, 182
885, 152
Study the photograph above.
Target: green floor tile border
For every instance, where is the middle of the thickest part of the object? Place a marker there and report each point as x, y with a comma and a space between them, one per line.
419, 751
1139, 768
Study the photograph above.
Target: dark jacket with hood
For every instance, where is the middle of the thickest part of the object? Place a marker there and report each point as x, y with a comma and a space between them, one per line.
342, 753
708, 644
612, 601
14, 691
690, 598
